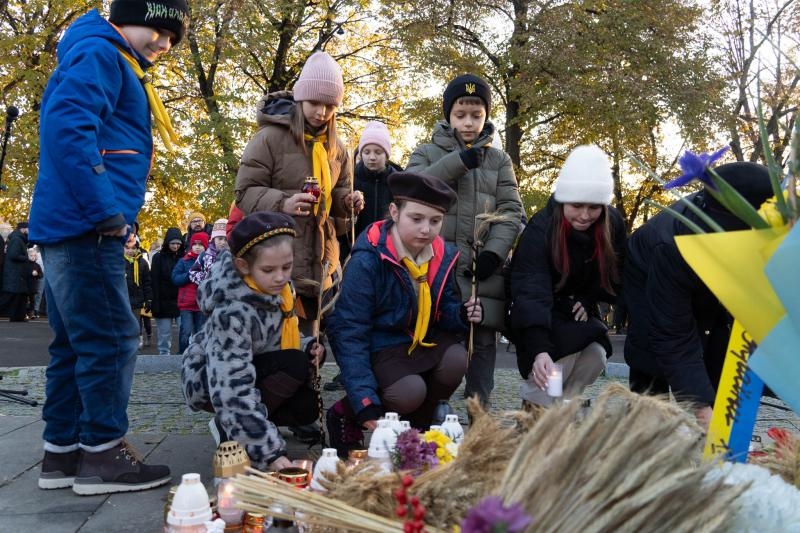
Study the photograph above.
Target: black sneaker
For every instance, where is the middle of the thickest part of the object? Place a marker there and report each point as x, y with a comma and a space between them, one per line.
344, 433
119, 469
59, 469
308, 434
335, 383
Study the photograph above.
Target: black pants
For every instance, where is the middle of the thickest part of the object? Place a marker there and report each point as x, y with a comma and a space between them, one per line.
284, 380
646, 384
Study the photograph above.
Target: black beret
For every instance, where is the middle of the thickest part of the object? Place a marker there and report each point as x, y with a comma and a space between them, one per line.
421, 188
259, 227
466, 85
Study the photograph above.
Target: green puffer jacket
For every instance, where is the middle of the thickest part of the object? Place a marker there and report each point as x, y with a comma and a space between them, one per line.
490, 188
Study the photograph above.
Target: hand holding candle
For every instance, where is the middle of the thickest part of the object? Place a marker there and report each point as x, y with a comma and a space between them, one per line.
555, 381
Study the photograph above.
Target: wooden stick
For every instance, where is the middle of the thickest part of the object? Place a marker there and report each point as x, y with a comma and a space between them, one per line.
351, 169
317, 374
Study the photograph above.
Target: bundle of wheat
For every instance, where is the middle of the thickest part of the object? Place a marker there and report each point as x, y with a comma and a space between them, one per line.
630, 463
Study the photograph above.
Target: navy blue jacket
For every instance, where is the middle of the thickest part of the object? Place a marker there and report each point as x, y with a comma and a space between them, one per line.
377, 307
95, 137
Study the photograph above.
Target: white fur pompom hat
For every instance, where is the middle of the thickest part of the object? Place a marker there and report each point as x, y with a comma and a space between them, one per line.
585, 177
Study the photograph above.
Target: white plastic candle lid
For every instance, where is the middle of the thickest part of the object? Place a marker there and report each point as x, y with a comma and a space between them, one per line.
329, 452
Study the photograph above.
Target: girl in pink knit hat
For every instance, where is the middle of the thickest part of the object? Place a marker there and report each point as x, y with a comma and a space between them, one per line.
297, 140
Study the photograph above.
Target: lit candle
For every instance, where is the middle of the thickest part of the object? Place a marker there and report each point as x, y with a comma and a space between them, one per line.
555, 381
225, 504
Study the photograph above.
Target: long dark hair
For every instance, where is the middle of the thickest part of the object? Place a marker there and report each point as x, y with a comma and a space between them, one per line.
603, 249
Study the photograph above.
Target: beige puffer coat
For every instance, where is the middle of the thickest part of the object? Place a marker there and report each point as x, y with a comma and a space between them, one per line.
490, 188
273, 168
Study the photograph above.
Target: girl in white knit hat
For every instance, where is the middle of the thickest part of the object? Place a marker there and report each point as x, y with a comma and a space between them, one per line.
568, 259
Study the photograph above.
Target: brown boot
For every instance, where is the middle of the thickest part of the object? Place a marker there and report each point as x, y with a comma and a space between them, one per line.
118, 469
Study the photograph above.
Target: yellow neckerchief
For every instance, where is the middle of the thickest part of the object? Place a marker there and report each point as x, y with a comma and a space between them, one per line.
419, 274
135, 262
321, 168
162, 121
290, 332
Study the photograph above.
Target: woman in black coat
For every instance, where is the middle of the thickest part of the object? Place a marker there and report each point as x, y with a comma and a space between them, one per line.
165, 294
15, 273
568, 259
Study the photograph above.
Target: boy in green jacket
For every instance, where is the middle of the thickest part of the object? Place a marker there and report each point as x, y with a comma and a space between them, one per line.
461, 154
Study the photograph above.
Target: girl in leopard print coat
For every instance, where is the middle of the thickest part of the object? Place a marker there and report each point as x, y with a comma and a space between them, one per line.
249, 364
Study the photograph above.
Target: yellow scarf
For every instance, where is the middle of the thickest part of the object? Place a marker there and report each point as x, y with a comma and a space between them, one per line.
290, 332
135, 262
420, 274
321, 168
162, 121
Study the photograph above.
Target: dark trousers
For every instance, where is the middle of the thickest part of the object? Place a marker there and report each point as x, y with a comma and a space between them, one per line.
284, 380
17, 307
646, 384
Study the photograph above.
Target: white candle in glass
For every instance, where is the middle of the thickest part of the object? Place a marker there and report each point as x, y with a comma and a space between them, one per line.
226, 504
555, 381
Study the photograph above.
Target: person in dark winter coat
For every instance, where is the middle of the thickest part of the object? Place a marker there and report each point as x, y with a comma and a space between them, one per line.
249, 364
15, 273
371, 172
137, 276
35, 275
677, 329
165, 293
568, 259
397, 327
191, 317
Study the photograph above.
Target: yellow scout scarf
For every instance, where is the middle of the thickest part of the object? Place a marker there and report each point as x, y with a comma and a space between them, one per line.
321, 168
290, 332
135, 262
160, 116
420, 274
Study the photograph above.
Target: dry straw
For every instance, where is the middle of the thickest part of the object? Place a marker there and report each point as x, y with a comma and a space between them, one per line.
629, 463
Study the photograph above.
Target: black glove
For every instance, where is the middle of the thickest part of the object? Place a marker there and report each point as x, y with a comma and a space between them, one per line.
148, 306
471, 157
486, 264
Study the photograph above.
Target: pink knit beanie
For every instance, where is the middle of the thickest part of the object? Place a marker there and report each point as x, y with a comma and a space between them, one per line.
320, 81
376, 133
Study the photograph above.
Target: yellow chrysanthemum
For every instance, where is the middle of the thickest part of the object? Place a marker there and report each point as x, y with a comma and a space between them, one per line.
442, 441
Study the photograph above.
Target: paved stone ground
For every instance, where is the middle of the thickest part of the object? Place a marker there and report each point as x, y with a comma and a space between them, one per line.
156, 404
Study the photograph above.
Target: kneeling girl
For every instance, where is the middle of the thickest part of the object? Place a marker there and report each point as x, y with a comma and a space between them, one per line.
397, 324
246, 364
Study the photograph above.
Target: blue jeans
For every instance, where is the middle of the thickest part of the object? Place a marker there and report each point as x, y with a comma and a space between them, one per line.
191, 322
164, 332
93, 354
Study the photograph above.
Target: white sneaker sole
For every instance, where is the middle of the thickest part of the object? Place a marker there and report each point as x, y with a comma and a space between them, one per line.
56, 482
89, 488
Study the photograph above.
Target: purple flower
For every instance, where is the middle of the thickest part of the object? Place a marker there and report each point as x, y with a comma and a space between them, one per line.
412, 453
491, 516
695, 167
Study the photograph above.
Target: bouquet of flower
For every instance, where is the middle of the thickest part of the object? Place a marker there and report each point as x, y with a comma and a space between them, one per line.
445, 449
414, 453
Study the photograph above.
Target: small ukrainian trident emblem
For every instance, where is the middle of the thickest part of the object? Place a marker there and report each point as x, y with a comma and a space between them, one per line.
470, 88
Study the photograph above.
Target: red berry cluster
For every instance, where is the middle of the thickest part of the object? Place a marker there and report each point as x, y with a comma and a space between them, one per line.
414, 523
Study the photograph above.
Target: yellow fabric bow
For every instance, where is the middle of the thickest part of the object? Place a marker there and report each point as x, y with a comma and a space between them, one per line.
321, 168
163, 124
290, 331
420, 274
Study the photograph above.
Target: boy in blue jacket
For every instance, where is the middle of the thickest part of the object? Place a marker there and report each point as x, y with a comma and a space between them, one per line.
398, 323
96, 149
